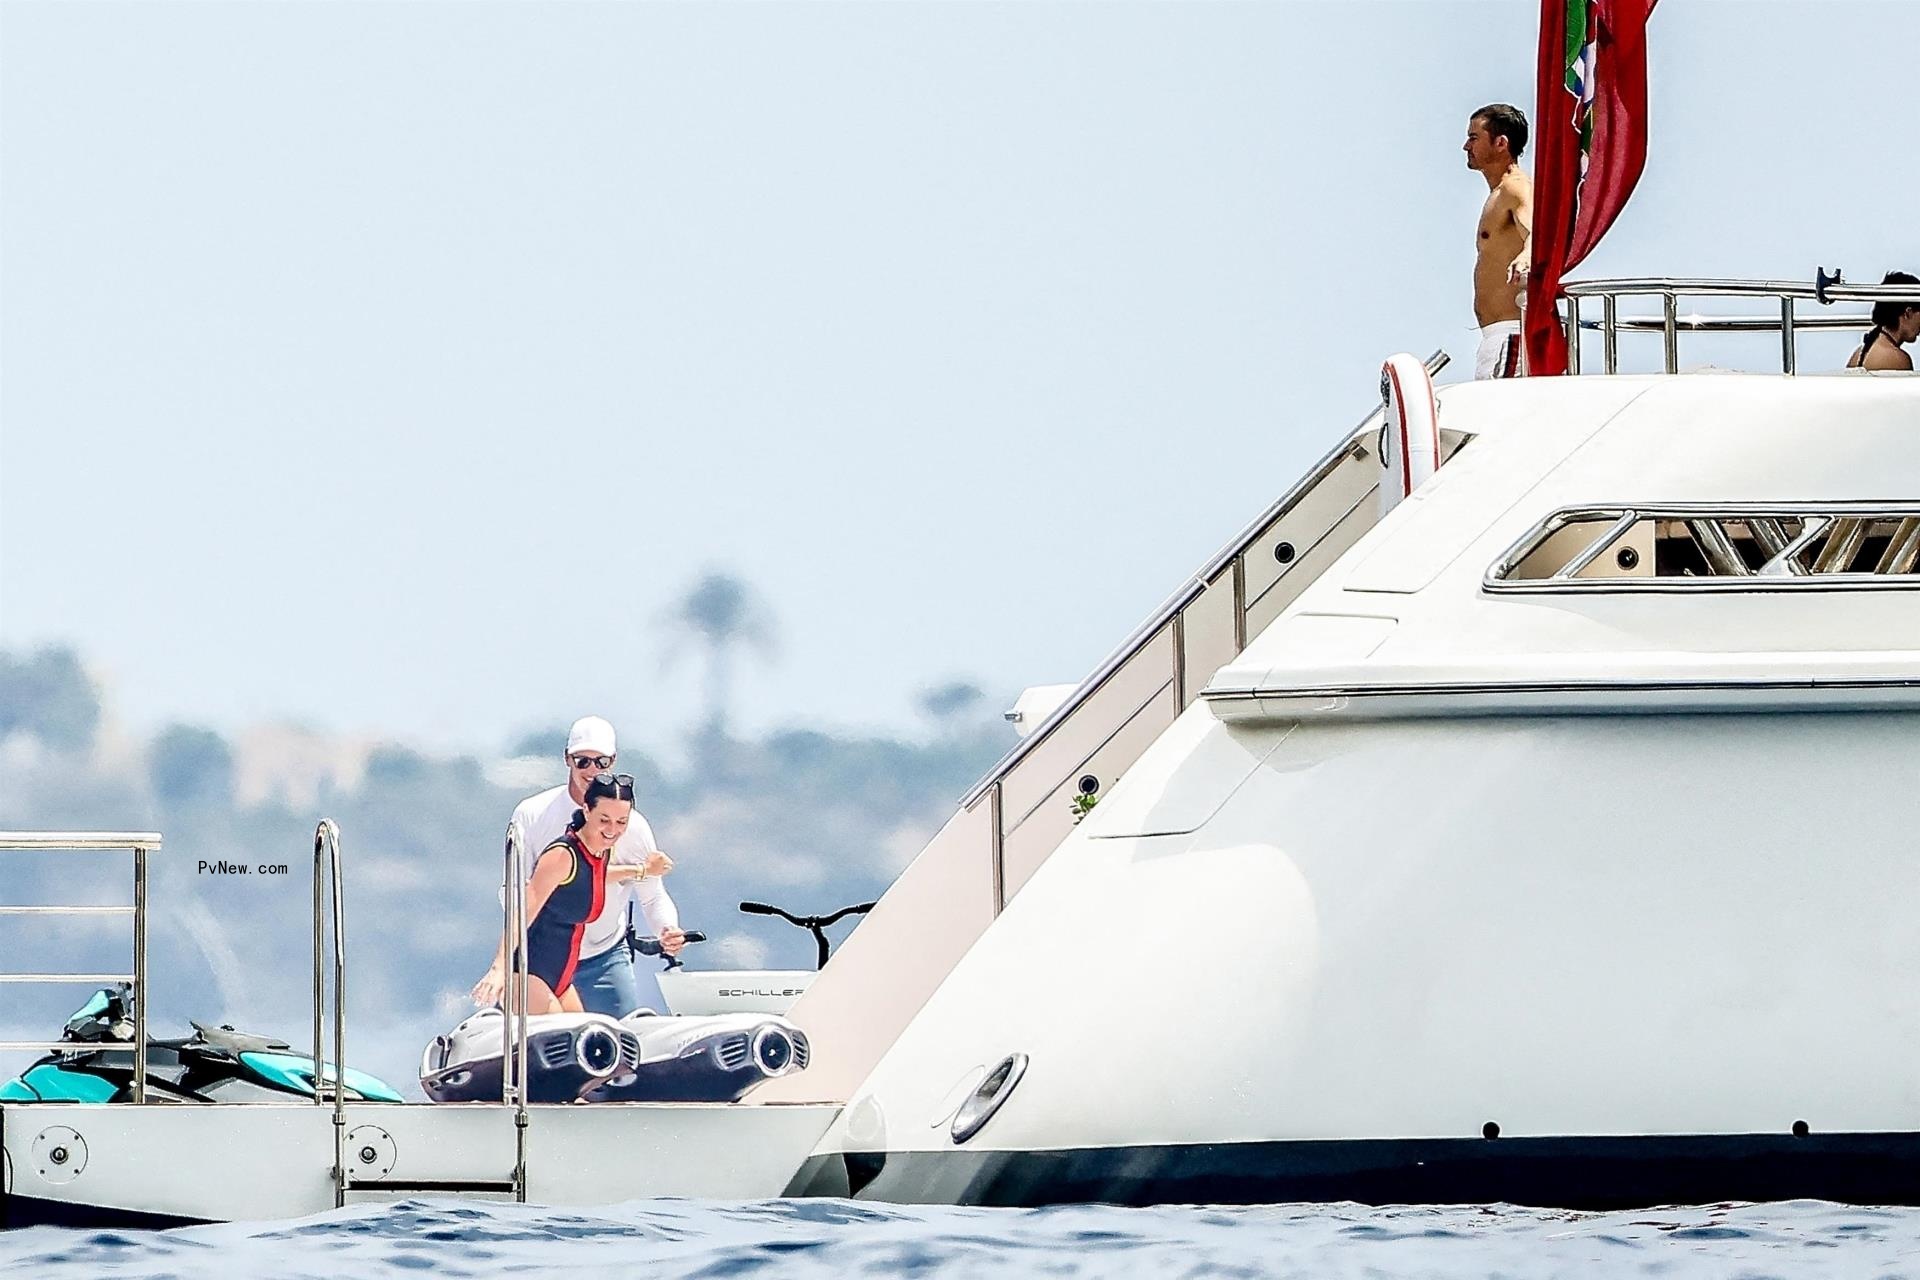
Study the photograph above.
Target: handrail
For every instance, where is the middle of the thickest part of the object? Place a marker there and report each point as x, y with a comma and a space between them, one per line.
513, 1023
79, 841
1824, 290
326, 873
1685, 287
1183, 596
140, 843
1697, 323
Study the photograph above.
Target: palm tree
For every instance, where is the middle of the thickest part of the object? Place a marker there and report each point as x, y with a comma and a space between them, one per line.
724, 614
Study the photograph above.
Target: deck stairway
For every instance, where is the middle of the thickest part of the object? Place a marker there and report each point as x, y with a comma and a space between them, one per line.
1024, 807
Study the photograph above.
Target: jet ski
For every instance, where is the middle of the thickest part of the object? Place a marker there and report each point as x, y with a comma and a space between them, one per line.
643, 1057
214, 1064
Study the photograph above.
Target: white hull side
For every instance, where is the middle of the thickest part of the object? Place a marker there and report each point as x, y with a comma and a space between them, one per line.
262, 1162
1646, 925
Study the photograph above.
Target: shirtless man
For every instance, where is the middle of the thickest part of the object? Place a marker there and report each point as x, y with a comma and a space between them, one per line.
1496, 137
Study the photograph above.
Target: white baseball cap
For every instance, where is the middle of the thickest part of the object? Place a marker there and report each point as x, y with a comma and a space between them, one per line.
590, 734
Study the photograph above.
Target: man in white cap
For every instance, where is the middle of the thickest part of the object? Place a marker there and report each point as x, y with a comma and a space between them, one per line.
604, 977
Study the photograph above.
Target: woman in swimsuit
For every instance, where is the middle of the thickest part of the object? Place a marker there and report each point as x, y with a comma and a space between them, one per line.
568, 888
1895, 324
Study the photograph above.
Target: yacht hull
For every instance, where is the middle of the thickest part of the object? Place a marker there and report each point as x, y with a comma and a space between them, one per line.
1566, 1173
1325, 962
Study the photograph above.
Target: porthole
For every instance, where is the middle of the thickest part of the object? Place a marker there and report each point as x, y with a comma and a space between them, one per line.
1284, 552
988, 1096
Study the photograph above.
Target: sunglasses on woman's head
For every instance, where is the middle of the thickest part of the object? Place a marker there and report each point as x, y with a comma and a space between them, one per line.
592, 762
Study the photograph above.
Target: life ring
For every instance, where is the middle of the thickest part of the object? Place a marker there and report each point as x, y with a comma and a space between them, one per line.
1410, 438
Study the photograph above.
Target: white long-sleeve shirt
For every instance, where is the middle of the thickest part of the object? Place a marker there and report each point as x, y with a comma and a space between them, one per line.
543, 818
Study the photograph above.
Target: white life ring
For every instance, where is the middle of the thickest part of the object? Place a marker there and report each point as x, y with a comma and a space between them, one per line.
1410, 438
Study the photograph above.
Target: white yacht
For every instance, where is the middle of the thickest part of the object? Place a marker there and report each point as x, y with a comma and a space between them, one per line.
1551, 845
1539, 840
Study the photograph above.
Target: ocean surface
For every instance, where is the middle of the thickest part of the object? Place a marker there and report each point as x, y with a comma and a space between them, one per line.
686, 1238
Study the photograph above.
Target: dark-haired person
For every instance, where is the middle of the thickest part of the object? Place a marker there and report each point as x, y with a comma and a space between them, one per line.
604, 977
1896, 322
568, 888
1496, 139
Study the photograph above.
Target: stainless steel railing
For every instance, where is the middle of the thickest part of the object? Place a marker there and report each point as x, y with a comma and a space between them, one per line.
1670, 324
326, 874
140, 843
513, 1025
1230, 559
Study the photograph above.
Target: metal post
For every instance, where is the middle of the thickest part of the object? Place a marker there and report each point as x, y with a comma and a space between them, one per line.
326, 874
999, 849
139, 973
517, 1005
1179, 628
339, 1018
1788, 362
1573, 334
319, 967
1239, 603
1610, 332
1669, 331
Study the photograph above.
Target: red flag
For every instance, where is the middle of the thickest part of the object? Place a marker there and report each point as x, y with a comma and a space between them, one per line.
1590, 131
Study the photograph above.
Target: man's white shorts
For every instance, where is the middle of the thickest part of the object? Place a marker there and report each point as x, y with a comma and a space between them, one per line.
1501, 354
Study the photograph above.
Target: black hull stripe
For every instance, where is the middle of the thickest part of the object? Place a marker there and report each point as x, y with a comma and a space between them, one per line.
1560, 1173
21, 1211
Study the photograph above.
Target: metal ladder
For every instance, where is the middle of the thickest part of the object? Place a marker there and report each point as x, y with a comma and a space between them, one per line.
326, 885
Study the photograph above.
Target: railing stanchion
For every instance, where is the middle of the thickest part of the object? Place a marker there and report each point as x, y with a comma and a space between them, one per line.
326, 874
319, 969
1670, 330
1610, 332
1789, 356
139, 973
1573, 334
997, 848
513, 1029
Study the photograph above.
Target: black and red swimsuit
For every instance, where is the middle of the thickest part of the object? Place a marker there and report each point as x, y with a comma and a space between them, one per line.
553, 939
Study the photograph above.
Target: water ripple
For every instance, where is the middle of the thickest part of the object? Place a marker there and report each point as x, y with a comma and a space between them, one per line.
832, 1238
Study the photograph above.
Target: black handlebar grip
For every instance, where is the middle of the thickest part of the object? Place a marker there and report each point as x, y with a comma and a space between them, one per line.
759, 909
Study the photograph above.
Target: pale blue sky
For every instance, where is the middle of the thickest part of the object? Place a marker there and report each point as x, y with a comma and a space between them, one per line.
391, 366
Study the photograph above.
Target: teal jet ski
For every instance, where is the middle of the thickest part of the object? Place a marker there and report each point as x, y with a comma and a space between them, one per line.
214, 1064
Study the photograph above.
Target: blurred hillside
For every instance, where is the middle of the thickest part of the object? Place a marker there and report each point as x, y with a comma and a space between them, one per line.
805, 819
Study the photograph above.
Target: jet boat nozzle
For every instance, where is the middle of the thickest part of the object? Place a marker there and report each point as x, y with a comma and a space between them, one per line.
773, 1051
597, 1050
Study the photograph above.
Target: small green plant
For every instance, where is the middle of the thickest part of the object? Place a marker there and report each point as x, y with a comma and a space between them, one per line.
1083, 804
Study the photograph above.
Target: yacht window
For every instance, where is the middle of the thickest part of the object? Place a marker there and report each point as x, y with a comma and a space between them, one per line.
1721, 546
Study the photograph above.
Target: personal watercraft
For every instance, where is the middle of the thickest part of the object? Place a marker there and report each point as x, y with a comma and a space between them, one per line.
214, 1064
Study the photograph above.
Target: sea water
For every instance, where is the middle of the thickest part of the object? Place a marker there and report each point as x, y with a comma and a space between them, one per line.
806, 1238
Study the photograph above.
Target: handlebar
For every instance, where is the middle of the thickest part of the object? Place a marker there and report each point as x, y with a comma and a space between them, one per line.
816, 925
651, 946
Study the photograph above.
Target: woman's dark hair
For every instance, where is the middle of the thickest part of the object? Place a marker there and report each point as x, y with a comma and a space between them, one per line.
1887, 312
1504, 121
605, 786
